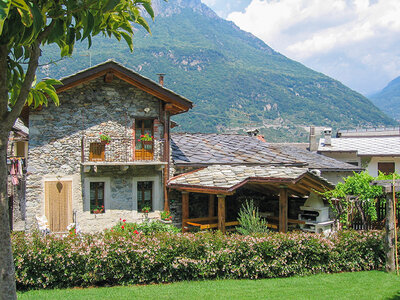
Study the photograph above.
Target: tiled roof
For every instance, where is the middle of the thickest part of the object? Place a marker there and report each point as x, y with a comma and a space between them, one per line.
206, 149
226, 176
314, 160
363, 146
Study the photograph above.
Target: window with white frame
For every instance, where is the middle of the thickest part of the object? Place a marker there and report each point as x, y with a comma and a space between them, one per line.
97, 195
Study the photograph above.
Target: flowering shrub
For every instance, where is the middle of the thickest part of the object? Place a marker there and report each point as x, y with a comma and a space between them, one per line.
147, 227
73, 229
113, 258
166, 216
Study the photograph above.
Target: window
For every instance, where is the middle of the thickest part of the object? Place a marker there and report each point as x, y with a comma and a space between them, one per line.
354, 163
144, 195
97, 197
97, 151
386, 167
144, 148
21, 149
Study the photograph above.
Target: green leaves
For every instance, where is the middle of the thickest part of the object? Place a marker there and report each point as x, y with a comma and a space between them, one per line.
4, 9
43, 91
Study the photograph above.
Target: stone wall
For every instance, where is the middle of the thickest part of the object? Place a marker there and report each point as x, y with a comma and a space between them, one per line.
55, 147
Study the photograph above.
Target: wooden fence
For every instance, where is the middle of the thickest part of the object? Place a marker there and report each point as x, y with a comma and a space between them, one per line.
357, 223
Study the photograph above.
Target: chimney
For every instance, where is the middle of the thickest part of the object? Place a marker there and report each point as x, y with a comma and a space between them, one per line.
161, 78
313, 146
253, 132
328, 136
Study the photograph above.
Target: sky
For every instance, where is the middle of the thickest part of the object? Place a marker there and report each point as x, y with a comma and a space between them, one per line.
354, 41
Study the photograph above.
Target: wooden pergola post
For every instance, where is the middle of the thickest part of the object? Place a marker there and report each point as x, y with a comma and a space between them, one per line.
211, 205
283, 209
185, 210
390, 187
390, 234
221, 213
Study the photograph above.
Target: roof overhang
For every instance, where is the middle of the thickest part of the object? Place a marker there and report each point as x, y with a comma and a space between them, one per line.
176, 103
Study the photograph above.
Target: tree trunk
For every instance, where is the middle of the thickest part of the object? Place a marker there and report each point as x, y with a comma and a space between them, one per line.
7, 275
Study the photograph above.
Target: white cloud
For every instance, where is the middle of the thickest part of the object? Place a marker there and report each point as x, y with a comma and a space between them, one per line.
365, 33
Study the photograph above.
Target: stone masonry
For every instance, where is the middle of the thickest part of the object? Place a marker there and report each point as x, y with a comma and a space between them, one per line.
55, 150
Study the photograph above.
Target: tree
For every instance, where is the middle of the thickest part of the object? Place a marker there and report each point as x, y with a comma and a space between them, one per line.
356, 194
25, 26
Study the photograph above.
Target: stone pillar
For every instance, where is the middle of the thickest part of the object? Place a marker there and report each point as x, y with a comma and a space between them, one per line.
185, 210
221, 213
283, 210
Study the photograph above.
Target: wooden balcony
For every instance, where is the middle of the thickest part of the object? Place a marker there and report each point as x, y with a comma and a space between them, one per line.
122, 151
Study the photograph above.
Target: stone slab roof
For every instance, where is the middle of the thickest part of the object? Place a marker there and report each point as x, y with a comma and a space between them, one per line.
226, 176
314, 160
363, 146
205, 149
229, 178
20, 127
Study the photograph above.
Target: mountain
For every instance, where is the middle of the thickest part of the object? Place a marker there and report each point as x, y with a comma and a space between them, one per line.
236, 81
388, 100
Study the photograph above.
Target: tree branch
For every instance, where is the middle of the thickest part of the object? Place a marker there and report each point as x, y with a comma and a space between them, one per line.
29, 76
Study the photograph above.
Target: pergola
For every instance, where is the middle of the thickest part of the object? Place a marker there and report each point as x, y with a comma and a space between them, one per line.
224, 180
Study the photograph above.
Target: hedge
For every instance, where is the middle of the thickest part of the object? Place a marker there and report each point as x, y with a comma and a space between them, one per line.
117, 259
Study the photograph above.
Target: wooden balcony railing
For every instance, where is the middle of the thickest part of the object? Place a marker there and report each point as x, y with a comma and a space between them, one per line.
122, 150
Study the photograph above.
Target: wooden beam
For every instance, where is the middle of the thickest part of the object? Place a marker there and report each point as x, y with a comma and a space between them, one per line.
283, 210
221, 213
211, 205
185, 210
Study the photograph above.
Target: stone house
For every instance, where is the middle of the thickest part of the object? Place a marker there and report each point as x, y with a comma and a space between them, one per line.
375, 150
75, 176
17, 153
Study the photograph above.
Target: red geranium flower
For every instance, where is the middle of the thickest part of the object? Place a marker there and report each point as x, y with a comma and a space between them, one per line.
137, 232
124, 220
122, 227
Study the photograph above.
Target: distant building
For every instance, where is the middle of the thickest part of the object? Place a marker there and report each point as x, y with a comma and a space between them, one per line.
373, 149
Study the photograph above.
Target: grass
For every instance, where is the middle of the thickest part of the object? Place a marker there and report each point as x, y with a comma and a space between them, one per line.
360, 285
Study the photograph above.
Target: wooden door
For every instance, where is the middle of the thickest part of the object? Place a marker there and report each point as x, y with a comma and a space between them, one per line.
58, 204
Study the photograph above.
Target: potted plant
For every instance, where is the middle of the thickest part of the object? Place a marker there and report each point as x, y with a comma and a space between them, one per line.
146, 138
146, 209
166, 217
98, 210
104, 138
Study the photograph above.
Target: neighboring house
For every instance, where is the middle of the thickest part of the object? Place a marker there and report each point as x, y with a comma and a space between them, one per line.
74, 176
16, 160
374, 150
234, 168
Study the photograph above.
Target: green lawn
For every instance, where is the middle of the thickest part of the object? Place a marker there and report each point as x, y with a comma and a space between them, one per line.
360, 285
